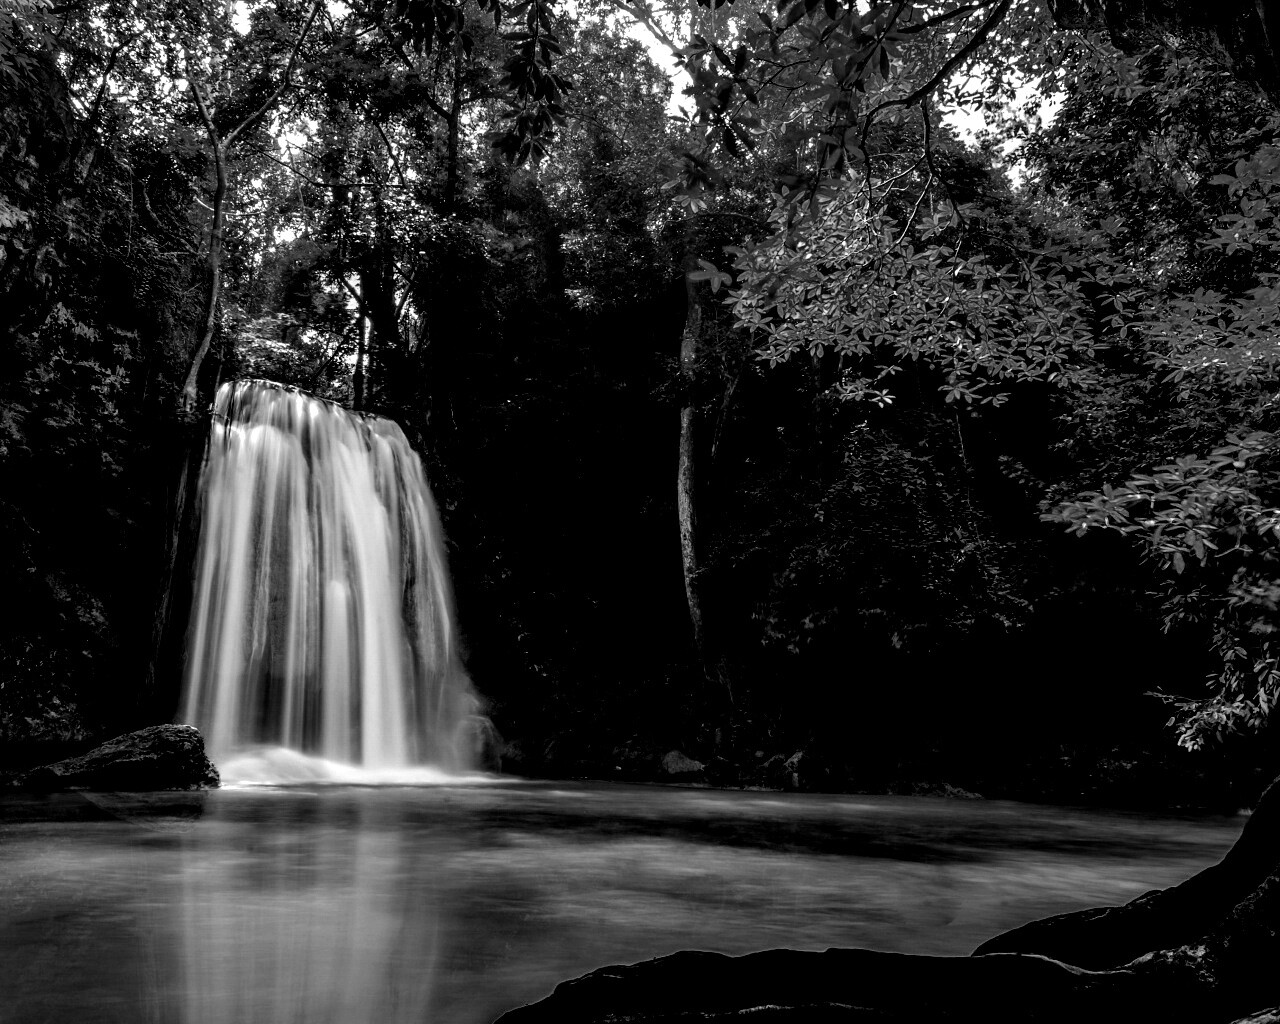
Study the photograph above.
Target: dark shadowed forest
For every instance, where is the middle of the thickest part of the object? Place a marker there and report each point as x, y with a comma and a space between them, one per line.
892, 386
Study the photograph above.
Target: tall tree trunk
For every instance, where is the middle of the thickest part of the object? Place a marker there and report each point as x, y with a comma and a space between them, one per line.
453, 177
357, 378
378, 292
686, 476
720, 694
213, 268
221, 145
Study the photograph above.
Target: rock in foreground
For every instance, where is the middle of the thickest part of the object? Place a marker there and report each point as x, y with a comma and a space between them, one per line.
159, 757
864, 986
1205, 984
1203, 952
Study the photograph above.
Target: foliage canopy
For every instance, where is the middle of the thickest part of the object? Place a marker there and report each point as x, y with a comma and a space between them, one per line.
910, 345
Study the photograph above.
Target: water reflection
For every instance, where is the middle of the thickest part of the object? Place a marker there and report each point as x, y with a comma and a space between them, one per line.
155, 812
327, 917
451, 904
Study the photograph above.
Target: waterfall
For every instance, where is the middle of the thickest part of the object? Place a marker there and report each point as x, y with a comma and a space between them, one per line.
322, 619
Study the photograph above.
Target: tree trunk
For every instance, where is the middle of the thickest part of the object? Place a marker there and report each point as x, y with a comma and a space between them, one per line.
213, 265
452, 181
222, 144
719, 691
378, 288
686, 477
357, 378
383, 335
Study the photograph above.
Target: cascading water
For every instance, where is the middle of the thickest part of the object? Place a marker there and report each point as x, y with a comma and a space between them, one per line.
322, 619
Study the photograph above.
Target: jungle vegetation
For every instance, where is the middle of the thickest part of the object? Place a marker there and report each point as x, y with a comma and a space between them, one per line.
892, 383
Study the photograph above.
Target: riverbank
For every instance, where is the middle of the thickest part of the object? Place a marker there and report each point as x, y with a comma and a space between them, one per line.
1163, 779
1167, 779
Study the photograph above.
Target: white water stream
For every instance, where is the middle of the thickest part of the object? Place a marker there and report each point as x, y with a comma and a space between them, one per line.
322, 619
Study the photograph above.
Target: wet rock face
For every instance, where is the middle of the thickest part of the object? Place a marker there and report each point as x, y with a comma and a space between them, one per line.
159, 757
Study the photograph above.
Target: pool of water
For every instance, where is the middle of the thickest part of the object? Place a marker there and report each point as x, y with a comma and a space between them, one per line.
450, 904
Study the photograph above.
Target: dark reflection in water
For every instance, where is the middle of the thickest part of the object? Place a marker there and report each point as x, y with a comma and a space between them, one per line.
451, 904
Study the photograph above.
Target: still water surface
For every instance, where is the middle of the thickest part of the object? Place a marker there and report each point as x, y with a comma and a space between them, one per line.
451, 904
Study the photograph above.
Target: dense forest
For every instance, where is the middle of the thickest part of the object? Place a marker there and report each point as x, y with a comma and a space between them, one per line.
773, 408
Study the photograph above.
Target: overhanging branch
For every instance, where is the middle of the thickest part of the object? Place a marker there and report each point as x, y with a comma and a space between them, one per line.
269, 102
954, 61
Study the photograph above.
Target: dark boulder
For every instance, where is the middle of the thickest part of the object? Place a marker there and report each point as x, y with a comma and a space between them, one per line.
159, 757
860, 985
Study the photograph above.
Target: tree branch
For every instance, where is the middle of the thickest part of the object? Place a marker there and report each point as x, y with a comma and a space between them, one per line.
269, 102
202, 105
431, 101
395, 161
293, 169
914, 210
92, 115
959, 57
959, 12
644, 16
933, 169
404, 296
360, 303
919, 95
